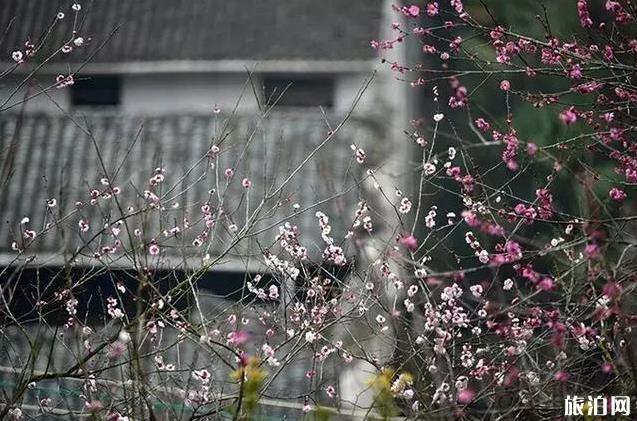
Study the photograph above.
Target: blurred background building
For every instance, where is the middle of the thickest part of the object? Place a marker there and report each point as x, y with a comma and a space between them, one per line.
155, 84
155, 73
179, 56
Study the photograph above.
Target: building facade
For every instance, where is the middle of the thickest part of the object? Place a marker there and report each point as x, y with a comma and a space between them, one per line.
169, 73
116, 90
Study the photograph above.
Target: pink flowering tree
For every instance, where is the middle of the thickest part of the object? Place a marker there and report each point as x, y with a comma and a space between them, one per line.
527, 155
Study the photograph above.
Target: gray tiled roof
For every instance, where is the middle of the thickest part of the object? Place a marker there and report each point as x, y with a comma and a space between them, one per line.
52, 157
156, 30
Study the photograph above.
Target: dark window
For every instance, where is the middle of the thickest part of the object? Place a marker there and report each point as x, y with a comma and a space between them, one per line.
96, 91
299, 91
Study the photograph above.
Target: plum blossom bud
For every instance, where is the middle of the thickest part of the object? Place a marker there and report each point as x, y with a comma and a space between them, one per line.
409, 241
429, 168
360, 155
331, 391
616, 194
561, 376
153, 249
465, 396
546, 284
83, 225
432, 9
123, 336
608, 367
476, 290
568, 116
482, 124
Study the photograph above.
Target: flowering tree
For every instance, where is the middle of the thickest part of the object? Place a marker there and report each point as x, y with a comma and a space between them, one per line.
536, 304
492, 285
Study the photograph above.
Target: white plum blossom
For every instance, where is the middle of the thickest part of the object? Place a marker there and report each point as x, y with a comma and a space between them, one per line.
17, 56
476, 290
508, 284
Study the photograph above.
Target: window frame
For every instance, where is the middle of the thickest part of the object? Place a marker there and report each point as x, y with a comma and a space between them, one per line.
278, 90
109, 94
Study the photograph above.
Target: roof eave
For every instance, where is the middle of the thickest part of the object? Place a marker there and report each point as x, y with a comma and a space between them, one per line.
57, 260
207, 66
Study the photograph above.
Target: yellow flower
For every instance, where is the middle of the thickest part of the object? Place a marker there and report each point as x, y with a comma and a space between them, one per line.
382, 381
250, 372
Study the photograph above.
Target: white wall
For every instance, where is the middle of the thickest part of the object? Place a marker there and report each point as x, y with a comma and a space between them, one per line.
184, 93
347, 87
199, 92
